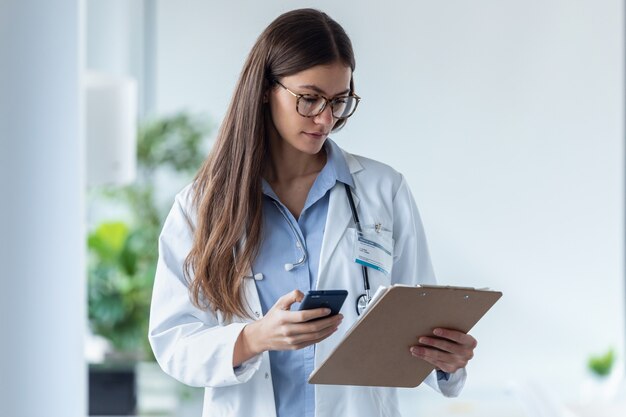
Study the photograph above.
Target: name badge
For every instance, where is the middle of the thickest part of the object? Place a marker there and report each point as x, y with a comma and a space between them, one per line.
373, 248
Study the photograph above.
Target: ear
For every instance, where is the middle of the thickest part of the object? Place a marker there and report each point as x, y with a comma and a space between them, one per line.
267, 87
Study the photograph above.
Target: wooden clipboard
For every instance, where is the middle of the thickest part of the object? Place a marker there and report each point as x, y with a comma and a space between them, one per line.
375, 351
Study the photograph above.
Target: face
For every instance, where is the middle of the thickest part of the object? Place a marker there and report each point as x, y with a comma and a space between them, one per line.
288, 127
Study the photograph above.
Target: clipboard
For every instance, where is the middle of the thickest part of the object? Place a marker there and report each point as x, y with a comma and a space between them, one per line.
375, 350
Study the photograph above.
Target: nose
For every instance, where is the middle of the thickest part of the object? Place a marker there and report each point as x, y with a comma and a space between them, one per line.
325, 117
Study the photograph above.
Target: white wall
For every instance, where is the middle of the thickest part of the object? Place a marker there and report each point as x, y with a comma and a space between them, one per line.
507, 120
115, 41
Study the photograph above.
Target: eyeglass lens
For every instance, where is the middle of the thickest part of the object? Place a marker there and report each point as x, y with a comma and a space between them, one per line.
342, 107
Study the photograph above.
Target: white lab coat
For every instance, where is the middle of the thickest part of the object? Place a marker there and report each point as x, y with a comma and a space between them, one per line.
196, 347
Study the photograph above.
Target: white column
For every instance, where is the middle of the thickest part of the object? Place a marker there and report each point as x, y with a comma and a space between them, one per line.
42, 239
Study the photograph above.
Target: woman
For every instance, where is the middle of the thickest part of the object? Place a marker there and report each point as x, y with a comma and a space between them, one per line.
268, 218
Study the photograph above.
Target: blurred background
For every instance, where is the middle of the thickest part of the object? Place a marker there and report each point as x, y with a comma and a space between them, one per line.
506, 117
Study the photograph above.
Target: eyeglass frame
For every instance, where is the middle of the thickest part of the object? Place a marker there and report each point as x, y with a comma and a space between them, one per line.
326, 102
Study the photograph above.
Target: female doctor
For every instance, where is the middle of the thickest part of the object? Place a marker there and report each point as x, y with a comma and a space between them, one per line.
272, 214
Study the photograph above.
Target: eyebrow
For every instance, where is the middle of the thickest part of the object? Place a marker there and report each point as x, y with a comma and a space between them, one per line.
320, 91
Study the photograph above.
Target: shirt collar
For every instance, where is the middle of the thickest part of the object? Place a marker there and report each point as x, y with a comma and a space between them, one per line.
337, 162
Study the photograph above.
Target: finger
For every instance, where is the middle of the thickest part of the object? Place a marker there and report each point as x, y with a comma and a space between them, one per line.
304, 340
285, 302
430, 354
312, 342
303, 316
314, 326
434, 362
425, 353
443, 345
443, 360
446, 367
456, 336
315, 313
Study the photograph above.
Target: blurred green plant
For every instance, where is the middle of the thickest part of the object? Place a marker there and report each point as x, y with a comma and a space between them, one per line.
123, 254
601, 365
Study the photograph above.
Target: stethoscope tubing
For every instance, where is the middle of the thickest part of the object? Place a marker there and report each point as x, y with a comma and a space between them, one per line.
357, 223
363, 299
302, 260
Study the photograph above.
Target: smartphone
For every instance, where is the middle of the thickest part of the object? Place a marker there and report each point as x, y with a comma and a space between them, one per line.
332, 299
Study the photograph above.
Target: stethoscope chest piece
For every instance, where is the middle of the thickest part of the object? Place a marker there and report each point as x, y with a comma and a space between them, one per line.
361, 303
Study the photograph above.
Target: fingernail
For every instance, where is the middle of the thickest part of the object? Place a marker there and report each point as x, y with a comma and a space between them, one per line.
327, 311
438, 332
422, 340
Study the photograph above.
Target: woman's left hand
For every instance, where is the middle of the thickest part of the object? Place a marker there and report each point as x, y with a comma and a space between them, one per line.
448, 350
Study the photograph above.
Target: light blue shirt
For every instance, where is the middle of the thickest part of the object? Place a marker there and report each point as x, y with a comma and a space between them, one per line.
294, 396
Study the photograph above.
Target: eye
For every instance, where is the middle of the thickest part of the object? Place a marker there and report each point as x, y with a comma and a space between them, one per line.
308, 99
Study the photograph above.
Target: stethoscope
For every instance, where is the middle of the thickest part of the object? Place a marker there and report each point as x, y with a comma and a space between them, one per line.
363, 300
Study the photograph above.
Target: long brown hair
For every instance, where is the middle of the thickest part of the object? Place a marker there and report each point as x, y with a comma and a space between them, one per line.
227, 189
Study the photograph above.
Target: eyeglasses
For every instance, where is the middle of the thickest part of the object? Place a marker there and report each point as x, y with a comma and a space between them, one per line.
311, 105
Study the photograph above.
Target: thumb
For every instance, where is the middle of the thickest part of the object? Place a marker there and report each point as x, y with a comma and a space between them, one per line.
285, 302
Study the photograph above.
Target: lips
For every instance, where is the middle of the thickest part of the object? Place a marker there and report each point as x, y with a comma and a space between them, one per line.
316, 134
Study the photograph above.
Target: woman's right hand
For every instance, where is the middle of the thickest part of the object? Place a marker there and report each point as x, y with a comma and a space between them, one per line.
282, 329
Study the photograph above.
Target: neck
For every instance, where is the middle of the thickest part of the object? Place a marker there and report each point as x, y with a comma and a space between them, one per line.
288, 164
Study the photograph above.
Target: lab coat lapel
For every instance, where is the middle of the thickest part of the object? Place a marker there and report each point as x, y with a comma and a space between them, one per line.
338, 219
